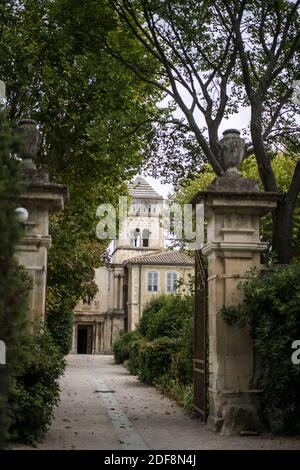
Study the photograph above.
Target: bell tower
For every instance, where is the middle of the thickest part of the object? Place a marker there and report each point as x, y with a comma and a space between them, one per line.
143, 233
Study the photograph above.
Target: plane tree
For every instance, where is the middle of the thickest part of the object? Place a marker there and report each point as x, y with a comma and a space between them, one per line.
217, 57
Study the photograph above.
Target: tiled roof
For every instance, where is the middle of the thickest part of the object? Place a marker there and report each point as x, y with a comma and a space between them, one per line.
140, 189
163, 257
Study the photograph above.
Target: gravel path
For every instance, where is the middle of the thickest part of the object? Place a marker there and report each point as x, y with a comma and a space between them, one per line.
104, 407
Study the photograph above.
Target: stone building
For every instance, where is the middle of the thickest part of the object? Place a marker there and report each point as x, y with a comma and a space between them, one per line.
140, 267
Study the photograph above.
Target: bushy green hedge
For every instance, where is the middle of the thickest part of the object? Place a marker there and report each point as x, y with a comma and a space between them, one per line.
59, 321
182, 362
166, 315
28, 381
272, 306
13, 310
160, 351
36, 390
155, 358
133, 363
122, 345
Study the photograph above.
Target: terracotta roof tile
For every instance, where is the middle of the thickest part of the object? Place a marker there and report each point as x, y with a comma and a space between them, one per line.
170, 257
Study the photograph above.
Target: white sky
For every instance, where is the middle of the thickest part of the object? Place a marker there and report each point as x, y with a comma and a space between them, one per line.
238, 121
161, 188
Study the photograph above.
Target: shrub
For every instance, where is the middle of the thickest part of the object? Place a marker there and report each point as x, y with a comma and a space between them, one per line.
188, 399
13, 309
271, 305
14, 283
183, 394
155, 358
166, 315
160, 352
28, 381
59, 319
36, 390
151, 309
133, 362
122, 344
182, 363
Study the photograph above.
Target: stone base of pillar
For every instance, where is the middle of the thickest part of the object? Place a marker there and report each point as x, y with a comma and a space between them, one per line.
238, 412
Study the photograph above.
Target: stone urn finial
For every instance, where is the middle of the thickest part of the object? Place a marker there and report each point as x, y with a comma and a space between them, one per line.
232, 151
30, 138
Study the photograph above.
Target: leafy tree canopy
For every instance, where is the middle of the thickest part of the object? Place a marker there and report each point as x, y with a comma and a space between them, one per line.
283, 166
216, 56
88, 106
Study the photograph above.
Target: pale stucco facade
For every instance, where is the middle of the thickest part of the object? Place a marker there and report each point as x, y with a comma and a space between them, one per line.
137, 282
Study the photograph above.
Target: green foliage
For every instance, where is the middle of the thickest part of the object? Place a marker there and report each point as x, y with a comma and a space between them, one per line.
88, 106
160, 351
150, 310
168, 30
122, 344
188, 399
183, 394
36, 390
60, 323
283, 166
165, 315
155, 357
182, 362
14, 287
28, 381
133, 362
14, 283
271, 305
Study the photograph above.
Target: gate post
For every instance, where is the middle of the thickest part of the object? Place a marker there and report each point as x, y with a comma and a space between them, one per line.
39, 198
233, 207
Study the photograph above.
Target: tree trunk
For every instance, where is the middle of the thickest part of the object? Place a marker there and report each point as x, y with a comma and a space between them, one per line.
282, 242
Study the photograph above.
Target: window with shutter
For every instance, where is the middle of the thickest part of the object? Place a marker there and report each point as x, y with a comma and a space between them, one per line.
152, 281
171, 282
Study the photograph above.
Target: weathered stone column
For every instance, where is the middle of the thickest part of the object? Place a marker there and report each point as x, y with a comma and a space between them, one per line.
40, 198
233, 207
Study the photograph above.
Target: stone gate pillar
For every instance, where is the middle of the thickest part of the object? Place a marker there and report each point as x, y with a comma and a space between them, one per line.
39, 199
233, 208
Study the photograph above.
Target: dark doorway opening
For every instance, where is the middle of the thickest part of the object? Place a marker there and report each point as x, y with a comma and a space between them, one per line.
85, 339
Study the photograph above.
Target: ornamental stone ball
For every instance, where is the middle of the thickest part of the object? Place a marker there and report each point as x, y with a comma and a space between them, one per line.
30, 138
232, 151
21, 214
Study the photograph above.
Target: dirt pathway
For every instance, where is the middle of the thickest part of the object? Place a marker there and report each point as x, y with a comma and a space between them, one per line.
104, 407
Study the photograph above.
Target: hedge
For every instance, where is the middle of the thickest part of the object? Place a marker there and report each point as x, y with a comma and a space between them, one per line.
272, 307
121, 346
160, 351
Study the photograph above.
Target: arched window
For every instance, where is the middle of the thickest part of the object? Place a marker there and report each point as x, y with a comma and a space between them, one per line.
171, 281
136, 237
152, 281
145, 237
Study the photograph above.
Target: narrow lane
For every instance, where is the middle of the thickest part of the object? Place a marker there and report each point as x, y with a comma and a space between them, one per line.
104, 407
